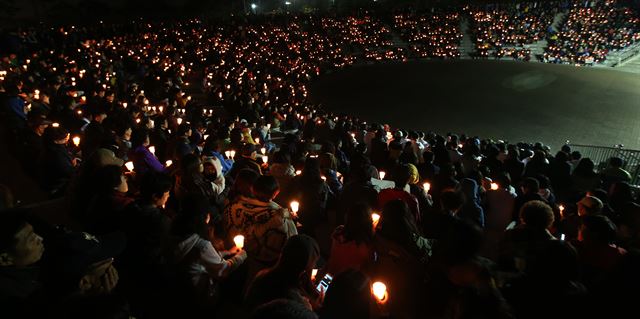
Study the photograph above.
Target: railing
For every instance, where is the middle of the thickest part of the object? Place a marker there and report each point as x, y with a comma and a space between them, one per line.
627, 54
600, 155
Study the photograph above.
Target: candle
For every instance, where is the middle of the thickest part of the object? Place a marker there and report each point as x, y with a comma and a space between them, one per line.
206, 136
265, 159
561, 208
76, 141
314, 273
494, 186
228, 154
375, 218
152, 149
160, 108
239, 241
263, 151
323, 178
169, 162
232, 153
257, 140
382, 174
379, 290
294, 207
426, 187
129, 166
268, 126
55, 124
298, 172
179, 120
124, 105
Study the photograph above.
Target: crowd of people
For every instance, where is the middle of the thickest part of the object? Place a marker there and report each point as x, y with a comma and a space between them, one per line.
271, 207
430, 36
591, 32
505, 32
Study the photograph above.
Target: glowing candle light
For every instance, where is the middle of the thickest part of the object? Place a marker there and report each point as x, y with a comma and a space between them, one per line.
152, 149
55, 125
561, 208
179, 120
314, 273
298, 172
239, 241
124, 105
375, 218
129, 166
265, 159
233, 153
379, 290
228, 154
160, 108
294, 207
382, 174
76, 141
426, 186
494, 186
168, 163
263, 151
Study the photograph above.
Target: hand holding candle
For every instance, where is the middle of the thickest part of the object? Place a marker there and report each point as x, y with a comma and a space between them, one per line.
382, 174
294, 207
379, 291
375, 218
129, 166
427, 187
76, 141
239, 241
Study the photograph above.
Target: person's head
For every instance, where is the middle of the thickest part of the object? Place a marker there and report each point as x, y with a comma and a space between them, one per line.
311, 169
458, 250
283, 309
589, 205
110, 178
530, 185
298, 257
249, 151
154, 188
57, 135
191, 165
265, 188
597, 229
328, 161
20, 246
124, 131
397, 223
537, 215
193, 216
451, 201
140, 137
243, 183
82, 263
585, 167
358, 224
428, 156
616, 162
402, 175
348, 296
184, 130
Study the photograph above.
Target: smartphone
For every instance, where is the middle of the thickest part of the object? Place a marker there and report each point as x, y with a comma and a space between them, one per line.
323, 285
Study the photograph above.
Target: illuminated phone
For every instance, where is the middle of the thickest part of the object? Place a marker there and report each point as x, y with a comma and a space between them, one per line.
323, 285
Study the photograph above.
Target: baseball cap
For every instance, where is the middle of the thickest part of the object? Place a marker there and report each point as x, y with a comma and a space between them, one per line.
78, 251
103, 157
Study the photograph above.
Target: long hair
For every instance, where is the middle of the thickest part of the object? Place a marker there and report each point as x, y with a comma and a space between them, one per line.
358, 225
397, 224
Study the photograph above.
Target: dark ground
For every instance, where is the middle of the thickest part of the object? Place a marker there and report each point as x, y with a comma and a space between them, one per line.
514, 101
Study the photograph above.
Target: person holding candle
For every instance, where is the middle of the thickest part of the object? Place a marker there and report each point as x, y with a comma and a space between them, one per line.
94, 133
314, 196
58, 163
351, 243
264, 224
401, 177
400, 257
180, 145
290, 277
199, 265
247, 160
143, 159
102, 215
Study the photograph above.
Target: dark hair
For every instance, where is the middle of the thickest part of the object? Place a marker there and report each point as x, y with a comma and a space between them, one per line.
192, 217
397, 224
243, 183
108, 177
283, 309
296, 257
402, 175
348, 296
599, 228
183, 129
11, 223
311, 171
537, 214
358, 225
265, 188
531, 184
138, 137
154, 184
585, 167
190, 164
616, 162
